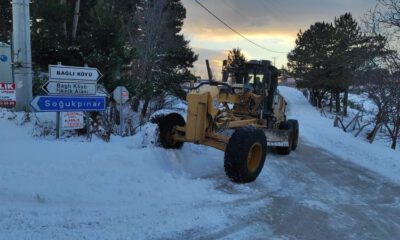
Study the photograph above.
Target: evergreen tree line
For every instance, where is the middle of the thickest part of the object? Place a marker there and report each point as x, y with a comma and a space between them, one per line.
135, 43
328, 56
330, 59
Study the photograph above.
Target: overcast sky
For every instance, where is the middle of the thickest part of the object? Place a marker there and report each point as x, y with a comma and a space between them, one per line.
272, 24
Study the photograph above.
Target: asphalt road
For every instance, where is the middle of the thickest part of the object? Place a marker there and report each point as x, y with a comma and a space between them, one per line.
309, 194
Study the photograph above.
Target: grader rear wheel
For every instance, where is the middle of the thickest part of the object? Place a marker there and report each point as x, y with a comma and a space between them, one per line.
286, 150
245, 154
166, 130
295, 128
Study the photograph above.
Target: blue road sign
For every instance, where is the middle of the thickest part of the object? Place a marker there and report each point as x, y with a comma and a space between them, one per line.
68, 104
3, 58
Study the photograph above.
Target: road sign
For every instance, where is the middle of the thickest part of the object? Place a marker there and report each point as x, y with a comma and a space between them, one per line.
7, 95
121, 94
63, 73
3, 58
5, 63
68, 104
72, 120
70, 88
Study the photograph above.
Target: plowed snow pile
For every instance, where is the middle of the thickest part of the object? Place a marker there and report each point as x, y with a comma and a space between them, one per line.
320, 132
95, 190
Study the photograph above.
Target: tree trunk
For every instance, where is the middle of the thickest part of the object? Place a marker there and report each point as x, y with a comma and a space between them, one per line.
331, 102
345, 101
378, 122
312, 98
145, 106
394, 143
64, 24
136, 103
371, 135
337, 99
396, 134
76, 19
160, 101
319, 103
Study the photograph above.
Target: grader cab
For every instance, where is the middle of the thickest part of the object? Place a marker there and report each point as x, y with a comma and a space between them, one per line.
241, 115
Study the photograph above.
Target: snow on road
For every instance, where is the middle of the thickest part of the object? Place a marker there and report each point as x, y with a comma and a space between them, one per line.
319, 131
130, 189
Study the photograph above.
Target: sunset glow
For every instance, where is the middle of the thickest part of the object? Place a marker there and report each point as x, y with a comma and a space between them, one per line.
271, 24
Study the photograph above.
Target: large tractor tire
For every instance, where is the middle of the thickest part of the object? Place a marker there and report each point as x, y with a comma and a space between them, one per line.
245, 154
295, 131
286, 125
166, 124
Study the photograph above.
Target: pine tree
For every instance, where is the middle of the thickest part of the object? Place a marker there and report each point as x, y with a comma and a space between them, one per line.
51, 38
164, 55
97, 37
103, 43
236, 58
327, 57
311, 60
5, 23
235, 64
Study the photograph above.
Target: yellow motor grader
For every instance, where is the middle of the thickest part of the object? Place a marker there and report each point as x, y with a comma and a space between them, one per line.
241, 115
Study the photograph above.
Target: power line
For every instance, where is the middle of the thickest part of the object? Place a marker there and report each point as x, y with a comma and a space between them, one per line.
233, 30
235, 10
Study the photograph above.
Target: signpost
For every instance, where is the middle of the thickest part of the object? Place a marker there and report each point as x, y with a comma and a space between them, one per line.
62, 73
7, 95
70, 88
121, 95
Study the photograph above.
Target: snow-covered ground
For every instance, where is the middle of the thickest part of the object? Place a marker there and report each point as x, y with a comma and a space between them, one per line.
320, 131
96, 190
130, 189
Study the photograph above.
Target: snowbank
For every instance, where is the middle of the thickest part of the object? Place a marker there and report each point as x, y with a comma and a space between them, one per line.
320, 132
95, 190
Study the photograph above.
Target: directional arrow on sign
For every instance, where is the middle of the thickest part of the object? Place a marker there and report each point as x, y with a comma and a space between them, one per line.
68, 104
70, 88
59, 72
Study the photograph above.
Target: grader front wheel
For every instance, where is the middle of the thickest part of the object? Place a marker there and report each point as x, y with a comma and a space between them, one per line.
245, 154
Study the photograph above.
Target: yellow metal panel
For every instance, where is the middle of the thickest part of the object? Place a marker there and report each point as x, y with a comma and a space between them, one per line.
196, 116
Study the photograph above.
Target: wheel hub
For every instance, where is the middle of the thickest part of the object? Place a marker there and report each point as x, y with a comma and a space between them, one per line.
254, 157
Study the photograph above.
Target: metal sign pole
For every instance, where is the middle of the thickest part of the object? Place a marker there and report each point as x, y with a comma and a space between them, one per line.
58, 125
121, 95
87, 125
121, 121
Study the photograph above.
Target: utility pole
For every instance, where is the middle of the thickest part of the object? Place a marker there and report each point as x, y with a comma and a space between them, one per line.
274, 60
22, 57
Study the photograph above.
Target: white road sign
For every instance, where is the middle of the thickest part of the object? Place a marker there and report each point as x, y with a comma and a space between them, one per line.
7, 95
59, 72
121, 94
70, 88
72, 120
